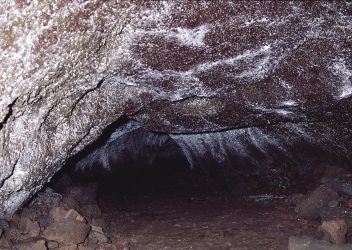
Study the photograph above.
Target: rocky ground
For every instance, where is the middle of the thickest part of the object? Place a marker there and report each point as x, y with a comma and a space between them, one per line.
85, 216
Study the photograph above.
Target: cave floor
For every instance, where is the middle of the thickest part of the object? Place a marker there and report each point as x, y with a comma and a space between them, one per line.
206, 221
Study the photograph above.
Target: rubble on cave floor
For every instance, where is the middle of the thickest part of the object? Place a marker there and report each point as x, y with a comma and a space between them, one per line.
79, 216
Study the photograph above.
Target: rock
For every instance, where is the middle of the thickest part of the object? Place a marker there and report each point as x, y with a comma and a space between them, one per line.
4, 224
48, 197
52, 244
98, 234
69, 202
13, 233
61, 88
60, 214
5, 244
308, 243
67, 232
81, 247
91, 210
39, 208
68, 247
110, 246
121, 244
34, 244
311, 207
99, 222
334, 231
339, 212
90, 243
29, 228
341, 184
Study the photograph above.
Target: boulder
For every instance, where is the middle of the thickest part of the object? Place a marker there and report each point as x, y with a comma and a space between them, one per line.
312, 205
37, 244
52, 244
97, 233
29, 228
61, 214
334, 231
67, 232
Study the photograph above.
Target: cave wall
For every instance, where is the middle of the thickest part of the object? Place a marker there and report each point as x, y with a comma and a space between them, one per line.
68, 69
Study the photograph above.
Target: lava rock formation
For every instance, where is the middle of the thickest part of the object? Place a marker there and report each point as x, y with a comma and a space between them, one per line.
234, 76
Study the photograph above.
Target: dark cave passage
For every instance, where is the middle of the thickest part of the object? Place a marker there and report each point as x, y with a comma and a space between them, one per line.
241, 189
150, 198
149, 125
142, 192
170, 206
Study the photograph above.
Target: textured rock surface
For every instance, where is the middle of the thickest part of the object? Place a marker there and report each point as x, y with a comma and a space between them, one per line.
308, 243
68, 69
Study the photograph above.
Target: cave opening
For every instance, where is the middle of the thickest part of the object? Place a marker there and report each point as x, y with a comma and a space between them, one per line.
258, 187
235, 129
139, 189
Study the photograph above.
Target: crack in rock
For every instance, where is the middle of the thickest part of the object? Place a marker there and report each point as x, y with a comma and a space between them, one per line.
9, 113
84, 94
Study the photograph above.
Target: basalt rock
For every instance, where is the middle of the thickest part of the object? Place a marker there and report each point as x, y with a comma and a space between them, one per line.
273, 75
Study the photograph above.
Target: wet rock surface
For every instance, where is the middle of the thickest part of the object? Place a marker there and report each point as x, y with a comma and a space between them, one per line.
69, 69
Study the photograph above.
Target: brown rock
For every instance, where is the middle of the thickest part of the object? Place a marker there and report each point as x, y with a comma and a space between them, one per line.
82, 247
334, 231
13, 233
99, 222
68, 247
121, 244
52, 244
98, 234
36, 244
90, 243
308, 243
69, 202
62, 214
29, 228
311, 206
91, 210
4, 243
67, 232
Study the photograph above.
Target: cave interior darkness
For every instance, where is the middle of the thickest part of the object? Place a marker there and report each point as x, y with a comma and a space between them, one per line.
153, 196
139, 162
